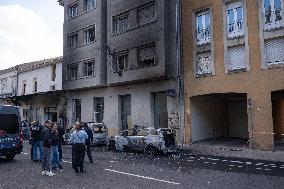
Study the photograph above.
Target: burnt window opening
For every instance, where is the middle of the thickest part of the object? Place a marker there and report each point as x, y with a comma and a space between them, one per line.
121, 62
35, 86
89, 68
120, 24
90, 5
24, 88
146, 14
147, 56
73, 41
72, 72
53, 72
90, 35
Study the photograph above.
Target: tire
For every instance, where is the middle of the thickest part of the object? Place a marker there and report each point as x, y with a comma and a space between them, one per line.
10, 157
151, 151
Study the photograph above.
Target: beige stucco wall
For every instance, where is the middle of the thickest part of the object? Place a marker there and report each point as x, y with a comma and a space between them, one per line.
257, 83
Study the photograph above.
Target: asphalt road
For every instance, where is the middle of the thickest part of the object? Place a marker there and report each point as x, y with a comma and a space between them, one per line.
130, 171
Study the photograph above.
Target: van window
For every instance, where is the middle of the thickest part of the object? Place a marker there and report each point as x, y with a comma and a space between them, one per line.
9, 123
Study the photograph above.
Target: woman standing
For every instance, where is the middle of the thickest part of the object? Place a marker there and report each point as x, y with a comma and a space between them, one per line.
77, 139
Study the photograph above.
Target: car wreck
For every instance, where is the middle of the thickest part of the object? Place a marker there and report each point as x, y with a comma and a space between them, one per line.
146, 140
100, 133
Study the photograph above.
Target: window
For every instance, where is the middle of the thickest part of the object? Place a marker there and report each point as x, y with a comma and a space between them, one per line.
203, 27
90, 4
236, 58
9, 123
53, 72
38, 115
27, 115
146, 14
89, 68
204, 64
3, 85
273, 14
121, 62
72, 72
35, 86
120, 24
90, 35
147, 56
24, 88
99, 109
73, 11
274, 51
73, 41
235, 19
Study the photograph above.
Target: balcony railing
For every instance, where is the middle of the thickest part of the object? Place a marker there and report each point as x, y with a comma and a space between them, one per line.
203, 36
273, 19
236, 29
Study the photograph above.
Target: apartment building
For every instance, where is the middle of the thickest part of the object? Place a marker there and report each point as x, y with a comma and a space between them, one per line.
233, 54
120, 63
36, 87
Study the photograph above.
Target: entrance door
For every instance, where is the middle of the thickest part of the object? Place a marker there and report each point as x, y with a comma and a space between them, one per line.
125, 111
160, 110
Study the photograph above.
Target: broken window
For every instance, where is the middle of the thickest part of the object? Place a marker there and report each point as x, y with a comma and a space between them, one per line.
73, 41
235, 19
72, 72
203, 27
204, 63
24, 88
89, 68
35, 86
90, 35
90, 4
53, 72
120, 24
146, 14
73, 11
147, 56
273, 14
99, 109
76, 110
121, 61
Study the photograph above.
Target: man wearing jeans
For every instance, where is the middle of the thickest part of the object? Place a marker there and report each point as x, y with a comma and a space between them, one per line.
36, 140
46, 140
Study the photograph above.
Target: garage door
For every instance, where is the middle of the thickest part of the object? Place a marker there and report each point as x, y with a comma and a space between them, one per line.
238, 119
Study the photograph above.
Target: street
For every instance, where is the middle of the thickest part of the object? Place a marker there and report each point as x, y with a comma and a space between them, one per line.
128, 170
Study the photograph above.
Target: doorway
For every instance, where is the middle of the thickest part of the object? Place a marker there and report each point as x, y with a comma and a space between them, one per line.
160, 110
125, 102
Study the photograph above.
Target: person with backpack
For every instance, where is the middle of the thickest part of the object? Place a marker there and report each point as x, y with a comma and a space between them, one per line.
78, 139
36, 140
46, 140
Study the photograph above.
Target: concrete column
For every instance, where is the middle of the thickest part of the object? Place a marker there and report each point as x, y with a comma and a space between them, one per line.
260, 121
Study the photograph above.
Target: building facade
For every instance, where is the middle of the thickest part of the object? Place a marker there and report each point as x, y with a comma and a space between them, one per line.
36, 87
234, 77
120, 63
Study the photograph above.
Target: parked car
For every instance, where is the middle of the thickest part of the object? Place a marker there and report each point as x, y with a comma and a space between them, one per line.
11, 137
146, 140
100, 133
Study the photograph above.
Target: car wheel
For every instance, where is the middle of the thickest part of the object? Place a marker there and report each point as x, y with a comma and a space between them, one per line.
10, 157
151, 151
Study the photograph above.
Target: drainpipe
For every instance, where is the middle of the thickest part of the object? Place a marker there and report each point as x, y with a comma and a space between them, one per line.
17, 84
179, 70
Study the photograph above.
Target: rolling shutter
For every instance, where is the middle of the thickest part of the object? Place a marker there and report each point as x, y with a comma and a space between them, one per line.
274, 51
237, 57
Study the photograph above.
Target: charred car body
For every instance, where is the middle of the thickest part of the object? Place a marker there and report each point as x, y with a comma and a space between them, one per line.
146, 140
100, 133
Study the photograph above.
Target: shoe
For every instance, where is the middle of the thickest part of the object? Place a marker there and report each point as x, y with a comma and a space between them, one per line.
50, 174
43, 173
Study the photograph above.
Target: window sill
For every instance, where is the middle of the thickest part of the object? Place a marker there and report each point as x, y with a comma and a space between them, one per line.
135, 28
274, 65
85, 44
203, 75
238, 70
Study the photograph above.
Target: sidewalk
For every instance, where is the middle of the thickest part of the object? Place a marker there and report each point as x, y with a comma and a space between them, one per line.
233, 152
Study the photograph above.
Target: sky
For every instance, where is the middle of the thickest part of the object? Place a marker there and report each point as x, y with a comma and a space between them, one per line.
30, 30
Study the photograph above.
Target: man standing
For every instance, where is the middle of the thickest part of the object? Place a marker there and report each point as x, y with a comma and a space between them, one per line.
88, 142
61, 132
46, 140
36, 140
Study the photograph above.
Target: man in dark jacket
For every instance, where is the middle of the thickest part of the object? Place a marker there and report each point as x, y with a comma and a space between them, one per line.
89, 141
36, 140
61, 132
46, 140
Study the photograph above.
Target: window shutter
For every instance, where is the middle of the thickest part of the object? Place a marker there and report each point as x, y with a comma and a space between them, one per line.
274, 51
147, 53
204, 63
237, 57
146, 14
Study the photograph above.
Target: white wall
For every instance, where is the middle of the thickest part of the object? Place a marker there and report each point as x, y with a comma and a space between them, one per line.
43, 78
141, 110
11, 84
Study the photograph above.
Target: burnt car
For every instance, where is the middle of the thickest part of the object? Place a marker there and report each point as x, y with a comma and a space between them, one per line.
100, 133
145, 140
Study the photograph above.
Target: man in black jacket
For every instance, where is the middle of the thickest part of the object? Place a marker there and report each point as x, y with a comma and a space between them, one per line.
36, 140
61, 132
46, 140
89, 141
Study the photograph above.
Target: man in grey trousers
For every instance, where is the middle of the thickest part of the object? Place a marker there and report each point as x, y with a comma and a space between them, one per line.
46, 141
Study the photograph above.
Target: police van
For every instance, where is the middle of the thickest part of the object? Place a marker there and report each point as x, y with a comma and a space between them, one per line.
11, 138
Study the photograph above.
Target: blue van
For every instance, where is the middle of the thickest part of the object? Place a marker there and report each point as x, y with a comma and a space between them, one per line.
11, 138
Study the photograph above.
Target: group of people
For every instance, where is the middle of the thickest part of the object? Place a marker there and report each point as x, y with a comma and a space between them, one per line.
49, 139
